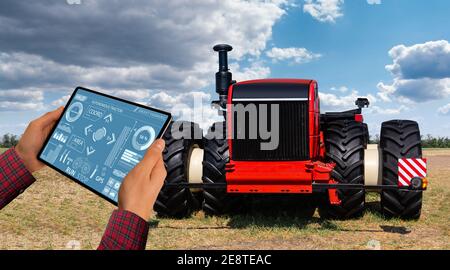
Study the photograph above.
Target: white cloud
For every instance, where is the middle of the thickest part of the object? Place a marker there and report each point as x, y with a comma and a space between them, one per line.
297, 55
256, 70
346, 101
191, 106
421, 73
427, 60
171, 31
385, 91
333, 102
21, 99
374, 2
342, 89
388, 111
20, 106
444, 110
22, 95
133, 95
61, 101
162, 45
125, 82
324, 10
418, 90
27, 70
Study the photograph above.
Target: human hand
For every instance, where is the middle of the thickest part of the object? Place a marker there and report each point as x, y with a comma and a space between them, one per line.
34, 137
141, 186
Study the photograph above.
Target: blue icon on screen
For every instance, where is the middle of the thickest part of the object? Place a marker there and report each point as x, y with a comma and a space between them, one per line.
74, 112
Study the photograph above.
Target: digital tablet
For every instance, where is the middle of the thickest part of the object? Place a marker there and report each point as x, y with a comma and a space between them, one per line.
100, 138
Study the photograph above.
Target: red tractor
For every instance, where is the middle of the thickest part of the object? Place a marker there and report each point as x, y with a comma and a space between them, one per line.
325, 154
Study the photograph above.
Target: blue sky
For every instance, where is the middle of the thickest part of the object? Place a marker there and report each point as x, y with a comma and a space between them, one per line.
395, 52
355, 50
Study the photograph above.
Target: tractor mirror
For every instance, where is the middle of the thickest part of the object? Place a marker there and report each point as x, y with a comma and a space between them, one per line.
362, 102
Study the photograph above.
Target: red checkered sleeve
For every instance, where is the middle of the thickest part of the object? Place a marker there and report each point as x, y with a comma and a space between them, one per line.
14, 177
125, 230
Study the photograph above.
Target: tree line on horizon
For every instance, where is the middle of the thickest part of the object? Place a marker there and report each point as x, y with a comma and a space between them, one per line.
9, 140
428, 141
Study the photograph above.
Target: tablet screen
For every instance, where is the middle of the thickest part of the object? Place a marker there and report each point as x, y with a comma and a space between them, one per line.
99, 139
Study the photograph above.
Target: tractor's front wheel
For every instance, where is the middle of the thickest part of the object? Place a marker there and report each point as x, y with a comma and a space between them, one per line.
216, 201
399, 139
344, 142
178, 202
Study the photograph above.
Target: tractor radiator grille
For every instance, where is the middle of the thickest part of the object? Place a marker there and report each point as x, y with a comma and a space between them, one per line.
293, 134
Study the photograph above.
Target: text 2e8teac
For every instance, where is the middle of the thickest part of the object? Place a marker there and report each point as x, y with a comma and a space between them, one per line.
324, 153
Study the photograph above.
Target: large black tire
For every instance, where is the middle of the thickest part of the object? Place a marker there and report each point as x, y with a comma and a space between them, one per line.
173, 201
399, 139
344, 142
216, 156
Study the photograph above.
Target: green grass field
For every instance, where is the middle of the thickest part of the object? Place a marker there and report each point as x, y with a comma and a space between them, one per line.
55, 210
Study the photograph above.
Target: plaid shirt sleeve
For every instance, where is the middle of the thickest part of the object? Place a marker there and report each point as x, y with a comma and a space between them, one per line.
125, 230
14, 177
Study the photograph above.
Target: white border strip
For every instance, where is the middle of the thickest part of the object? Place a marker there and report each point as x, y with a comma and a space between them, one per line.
420, 160
413, 173
413, 163
403, 183
270, 99
402, 174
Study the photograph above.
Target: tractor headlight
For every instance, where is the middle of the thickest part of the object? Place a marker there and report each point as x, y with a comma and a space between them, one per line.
418, 183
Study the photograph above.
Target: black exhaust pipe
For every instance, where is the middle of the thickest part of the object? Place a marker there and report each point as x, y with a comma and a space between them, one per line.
223, 76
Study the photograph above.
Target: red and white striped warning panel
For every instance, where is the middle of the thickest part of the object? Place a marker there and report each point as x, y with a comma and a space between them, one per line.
408, 168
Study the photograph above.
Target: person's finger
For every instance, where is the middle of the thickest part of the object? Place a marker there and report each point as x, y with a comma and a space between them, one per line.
153, 154
157, 177
50, 117
46, 130
159, 173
